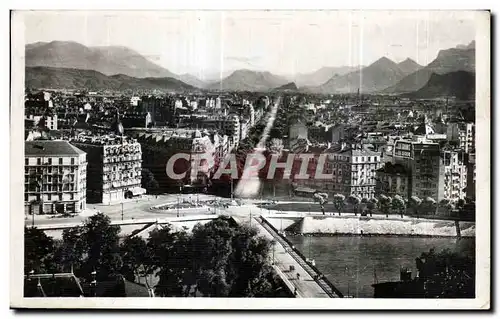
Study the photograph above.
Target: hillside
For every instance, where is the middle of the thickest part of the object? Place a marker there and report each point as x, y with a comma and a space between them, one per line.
322, 75
409, 66
247, 80
64, 78
447, 61
460, 84
378, 75
289, 87
108, 60
191, 80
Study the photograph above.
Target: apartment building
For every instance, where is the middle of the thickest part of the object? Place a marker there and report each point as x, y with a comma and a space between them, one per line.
463, 134
114, 171
433, 171
48, 121
159, 145
471, 176
392, 180
351, 169
54, 177
423, 161
455, 174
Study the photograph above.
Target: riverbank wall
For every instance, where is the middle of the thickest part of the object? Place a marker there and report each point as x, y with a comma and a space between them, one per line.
372, 226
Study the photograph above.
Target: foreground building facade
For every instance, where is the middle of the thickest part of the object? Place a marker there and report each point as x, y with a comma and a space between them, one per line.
54, 178
114, 171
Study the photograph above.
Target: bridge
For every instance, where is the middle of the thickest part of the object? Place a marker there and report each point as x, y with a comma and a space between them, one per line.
301, 278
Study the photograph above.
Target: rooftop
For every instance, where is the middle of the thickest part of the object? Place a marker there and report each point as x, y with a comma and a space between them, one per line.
51, 148
110, 139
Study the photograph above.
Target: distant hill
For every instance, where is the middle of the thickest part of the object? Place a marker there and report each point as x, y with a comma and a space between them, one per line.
65, 78
247, 80
460, 84
409, 66
191, 80
377, 76
289, 87
322, 75
450, 60
108, 60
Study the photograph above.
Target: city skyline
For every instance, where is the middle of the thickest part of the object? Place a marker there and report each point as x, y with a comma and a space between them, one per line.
281, 42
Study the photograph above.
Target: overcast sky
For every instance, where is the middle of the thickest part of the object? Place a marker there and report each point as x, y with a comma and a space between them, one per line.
283, 42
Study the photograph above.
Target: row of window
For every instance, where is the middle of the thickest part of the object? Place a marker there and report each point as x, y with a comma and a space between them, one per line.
28, 170
362, 159
50, 197
49, 161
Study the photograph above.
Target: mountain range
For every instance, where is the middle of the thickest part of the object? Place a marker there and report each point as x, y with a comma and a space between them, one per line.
289, 87
321, 75
450, 60
65, 78
460, 84
248, 80
375, 77
73, 65
109, 60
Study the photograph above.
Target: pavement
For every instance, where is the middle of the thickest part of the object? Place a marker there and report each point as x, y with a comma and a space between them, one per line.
305, 284
132, 209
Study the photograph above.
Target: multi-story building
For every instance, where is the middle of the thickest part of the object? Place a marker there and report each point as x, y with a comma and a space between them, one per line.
352, 170
136, 119
433, 172
338, 133
54, 177
226, 125
471, 176
426, 171
48, 121
159, 145
463, 134
114, 171
455, 174
392, 180
161, 109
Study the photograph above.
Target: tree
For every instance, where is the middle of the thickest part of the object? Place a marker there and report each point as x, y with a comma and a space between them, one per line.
136, 258
321, 198
171, 256
232, 260
372, 204
148, 181
428, 205
72, 249
447, 205
446, 274
398, 205
93, 247
38, 251
414, 203
385, 204
364, 206
354, 201
339, 202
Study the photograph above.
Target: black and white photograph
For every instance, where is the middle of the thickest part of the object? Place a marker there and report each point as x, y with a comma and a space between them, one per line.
322, 155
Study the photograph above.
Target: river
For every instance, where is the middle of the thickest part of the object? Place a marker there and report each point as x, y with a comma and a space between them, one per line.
353, 264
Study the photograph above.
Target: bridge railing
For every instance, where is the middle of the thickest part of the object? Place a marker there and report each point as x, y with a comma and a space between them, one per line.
317, 275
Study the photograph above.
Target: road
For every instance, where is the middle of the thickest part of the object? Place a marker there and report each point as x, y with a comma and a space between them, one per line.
132, 209
305, 285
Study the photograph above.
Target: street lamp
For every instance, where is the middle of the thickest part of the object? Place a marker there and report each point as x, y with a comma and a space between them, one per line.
178, 200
